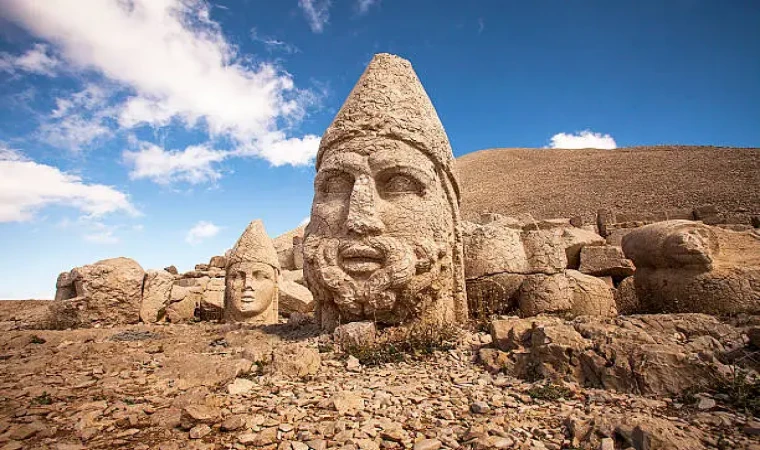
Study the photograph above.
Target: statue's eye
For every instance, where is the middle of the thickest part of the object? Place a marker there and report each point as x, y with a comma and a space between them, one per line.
400, 184
336, 183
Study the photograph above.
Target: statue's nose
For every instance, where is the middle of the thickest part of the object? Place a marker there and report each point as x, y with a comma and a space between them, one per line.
248, 284
362, 210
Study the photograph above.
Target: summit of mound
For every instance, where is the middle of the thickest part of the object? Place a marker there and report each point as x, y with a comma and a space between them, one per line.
552, 183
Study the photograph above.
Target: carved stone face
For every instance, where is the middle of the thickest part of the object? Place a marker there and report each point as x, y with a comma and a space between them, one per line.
250, 289
380, 234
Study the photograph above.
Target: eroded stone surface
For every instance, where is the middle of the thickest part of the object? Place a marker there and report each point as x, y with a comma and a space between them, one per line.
156, 295
384, 241
253, 271
109, 291
685, 266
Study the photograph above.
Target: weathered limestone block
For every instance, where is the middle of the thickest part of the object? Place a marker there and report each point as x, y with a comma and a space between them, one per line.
183, 302
568, 294
687, 266
251, 284
298, 252
111, 291
493, 294
219, 262
544, 251
574, 240
656, 354
626, 299
606, 261
384, 239
491, 249
156, 295
724, 290
212, 302
545, 294
295, 297
592, 296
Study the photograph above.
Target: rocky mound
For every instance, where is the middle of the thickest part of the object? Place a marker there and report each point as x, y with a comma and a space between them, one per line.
637, 180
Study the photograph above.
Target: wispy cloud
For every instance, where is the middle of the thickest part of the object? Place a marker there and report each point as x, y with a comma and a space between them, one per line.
167, 63
583, 139
201, 231
363, 6
194, 164
27, 186
481, 25
317, 13
37, 60
272, 44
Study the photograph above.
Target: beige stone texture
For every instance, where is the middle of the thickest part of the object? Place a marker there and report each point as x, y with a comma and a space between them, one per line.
493, 248
156, 296
110, 291
384, 240
294, 297
220, 262
672, 244
545, 251
253, 273
211, 304
685, 266
295, 276
626, 299
657, 354
183, 302
568, 294
493, 294
355, 334
295, 360
574, 240
605, 261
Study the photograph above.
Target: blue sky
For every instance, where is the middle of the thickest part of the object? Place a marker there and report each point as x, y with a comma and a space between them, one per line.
157, 129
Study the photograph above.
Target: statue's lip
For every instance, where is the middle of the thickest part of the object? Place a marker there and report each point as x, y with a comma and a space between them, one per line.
248, 297
361, 251
361, 259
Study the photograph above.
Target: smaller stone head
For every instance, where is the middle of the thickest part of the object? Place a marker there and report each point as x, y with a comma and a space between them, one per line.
251, 283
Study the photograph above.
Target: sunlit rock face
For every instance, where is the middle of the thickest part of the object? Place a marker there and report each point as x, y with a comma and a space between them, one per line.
251, 282
384, 241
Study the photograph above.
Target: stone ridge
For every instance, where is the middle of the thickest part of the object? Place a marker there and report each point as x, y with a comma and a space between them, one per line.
551, 183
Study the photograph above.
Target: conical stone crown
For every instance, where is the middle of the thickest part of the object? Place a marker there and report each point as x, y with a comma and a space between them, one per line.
389, 101
254, 245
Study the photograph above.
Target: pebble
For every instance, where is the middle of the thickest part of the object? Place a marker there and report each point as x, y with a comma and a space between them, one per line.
706, 403
428, 444
199, 431
480, 407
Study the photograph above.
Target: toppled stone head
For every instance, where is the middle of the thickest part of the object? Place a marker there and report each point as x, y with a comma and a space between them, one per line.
384, 240
251, 282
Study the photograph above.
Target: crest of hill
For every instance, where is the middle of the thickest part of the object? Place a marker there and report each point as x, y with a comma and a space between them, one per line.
553, 183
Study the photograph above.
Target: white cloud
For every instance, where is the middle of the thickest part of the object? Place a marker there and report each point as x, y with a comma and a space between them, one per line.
36, 60
364, 5
317, 13
175, 66
201, 231
194, 165
583, 139
26, 186
273, 44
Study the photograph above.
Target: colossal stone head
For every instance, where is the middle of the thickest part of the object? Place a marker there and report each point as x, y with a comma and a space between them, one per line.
251, 292
384, 240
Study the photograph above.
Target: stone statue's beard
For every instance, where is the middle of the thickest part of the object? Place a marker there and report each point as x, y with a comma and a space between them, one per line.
404, 270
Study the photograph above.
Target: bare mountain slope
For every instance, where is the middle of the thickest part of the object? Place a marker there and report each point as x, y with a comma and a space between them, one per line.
563, 183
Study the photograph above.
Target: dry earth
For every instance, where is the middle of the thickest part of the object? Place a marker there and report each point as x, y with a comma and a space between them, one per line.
214, 386
637, 180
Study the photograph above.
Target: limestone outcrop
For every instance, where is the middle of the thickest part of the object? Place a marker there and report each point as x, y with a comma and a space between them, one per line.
106, 292
685, 266
384, 239
516, 264
657, 354
156, 296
